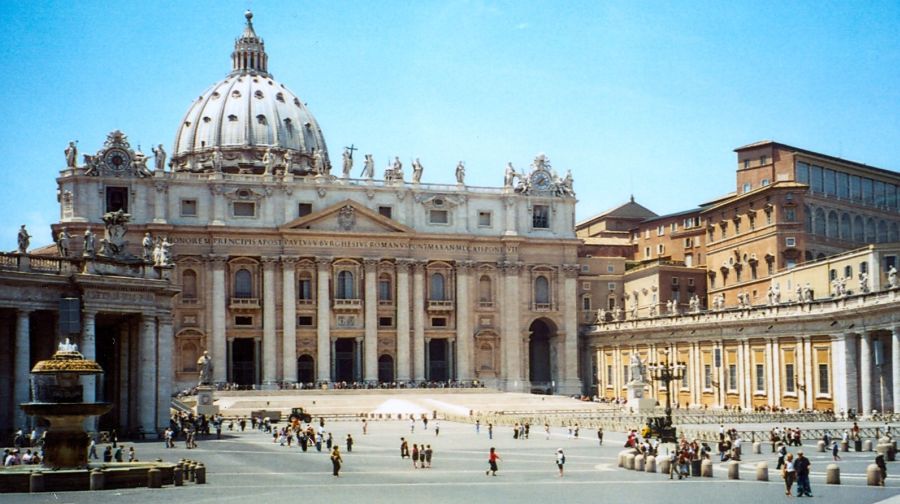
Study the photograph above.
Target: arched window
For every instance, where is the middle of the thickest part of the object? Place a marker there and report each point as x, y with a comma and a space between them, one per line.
541, 290
845, 227
484, 289
859, 230
437, 287
243, 284
832, 224
819, 222
304, 287
848, 271
882, 232
345, 285
189, 284
870, 231
385, 290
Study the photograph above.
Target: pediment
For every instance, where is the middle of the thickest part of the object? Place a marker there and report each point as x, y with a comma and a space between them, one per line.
347, 216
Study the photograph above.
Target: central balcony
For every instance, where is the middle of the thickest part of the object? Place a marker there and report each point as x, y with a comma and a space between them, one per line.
440, 305
244, 303
346, 305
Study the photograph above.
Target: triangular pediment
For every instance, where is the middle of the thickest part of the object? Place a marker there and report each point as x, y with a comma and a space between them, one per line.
347, 216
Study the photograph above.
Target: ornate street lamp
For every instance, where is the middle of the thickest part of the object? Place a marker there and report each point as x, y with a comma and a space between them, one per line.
667, 372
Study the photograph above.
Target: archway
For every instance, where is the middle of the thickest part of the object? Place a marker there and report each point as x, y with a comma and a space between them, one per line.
385, 369
306, 369
541, 356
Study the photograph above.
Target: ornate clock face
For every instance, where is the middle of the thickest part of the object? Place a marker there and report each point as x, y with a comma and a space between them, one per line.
117, 159
540, 180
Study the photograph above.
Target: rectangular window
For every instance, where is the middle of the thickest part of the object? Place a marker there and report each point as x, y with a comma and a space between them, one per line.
660, 249
816, 181
304, 209
188, 208
439, 322
843, 185
684, 377
688, 243
673, 227
484, 219
585, 268
689, 260
438, 217
611, 287
737, 226
609, 374
243, 321
674, 280
243, 209
789, 384
746, 187
384, 290
868, 191
116, 199
763, 160
647, 233
790, 215
802, 174
746, 164
855, 188
304, 289
385, 211
660, 230
824, 385
764, 182
707, 376
625, 374
385, 321
540, 218
732, 377
879, 193
760, 378
304, 321
586, 303
610, 268
790, 241
646, 252
830, 182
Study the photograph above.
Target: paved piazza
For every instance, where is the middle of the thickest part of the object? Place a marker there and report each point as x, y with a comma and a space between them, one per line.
248, 465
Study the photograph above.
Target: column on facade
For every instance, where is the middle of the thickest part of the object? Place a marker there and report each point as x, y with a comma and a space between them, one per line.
464, 331
288, 319
323, 320
165, 368
419, 351
371, 321
452, 350
269, 365
742, 391
89, 351
218, 206
569, 361
776, 371
512, 340
770, 374
843, 355
147, 386
895, 367
22, 366
402, 361
127, 369
865, 372
723, 364
809, 384
217, 338
427, 375
357, 358
159, 205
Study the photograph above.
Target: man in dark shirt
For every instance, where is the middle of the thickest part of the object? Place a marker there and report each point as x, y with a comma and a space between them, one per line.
801, 465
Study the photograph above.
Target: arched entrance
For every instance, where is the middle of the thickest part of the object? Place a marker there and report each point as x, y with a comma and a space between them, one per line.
541, 356
306, 369
385, 369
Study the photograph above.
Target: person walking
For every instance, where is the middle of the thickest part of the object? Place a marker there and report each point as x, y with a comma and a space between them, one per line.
834, 451
349, 443
789, 474
493, 457
336, 461
882, 468
801, 467
365, 427
600, 435
404, 448
547, 431
477, 427
422, 456
490, 431
92, 452
560, 461
415, 456
132, 456
437, 427
782, 452
428, 453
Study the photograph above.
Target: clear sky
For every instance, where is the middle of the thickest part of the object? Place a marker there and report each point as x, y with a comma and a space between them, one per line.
635, 97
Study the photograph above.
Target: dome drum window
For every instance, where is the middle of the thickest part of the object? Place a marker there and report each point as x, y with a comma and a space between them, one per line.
259, 94
261, 119
232, 118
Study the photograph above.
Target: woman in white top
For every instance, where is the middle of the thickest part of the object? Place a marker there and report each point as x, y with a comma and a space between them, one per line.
560, 461
789, 474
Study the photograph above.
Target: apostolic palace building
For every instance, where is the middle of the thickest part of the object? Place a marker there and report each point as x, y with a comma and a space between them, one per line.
248, 241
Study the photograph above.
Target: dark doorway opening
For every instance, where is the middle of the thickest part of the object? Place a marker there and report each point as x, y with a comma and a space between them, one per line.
385, 368
539, 371
243, 361
306, 369
344, 359
438, 360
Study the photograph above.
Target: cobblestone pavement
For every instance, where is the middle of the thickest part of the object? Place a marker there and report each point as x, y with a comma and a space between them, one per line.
249, 466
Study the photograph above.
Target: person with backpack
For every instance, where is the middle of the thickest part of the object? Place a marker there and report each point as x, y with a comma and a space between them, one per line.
560, 461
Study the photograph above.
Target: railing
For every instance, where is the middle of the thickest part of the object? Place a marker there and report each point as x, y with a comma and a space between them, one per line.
434, 304
9, 261
306, 302
386, 302
238, 303
347, 304
45, 264
486, 305
542, 307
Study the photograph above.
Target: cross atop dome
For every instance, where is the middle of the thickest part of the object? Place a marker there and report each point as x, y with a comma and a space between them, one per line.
249, 51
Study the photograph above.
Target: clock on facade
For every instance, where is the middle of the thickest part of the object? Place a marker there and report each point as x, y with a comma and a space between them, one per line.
541, 180
117, 159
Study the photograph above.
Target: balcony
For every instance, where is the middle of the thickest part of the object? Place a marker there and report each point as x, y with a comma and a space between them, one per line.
244, 303
189, 301
542, 307
485, 305
440, 305
386, 303
347, 304
306, 302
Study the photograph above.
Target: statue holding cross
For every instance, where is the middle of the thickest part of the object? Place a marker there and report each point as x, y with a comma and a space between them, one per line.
348, 160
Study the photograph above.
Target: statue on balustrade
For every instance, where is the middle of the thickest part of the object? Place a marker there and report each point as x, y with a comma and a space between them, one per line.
892, 277
24, 240
863, 283
62, 243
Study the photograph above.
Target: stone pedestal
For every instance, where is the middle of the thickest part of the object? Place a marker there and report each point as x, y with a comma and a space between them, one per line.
205, 401
636, 400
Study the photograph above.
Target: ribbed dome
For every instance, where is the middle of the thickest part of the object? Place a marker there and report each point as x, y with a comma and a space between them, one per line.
244, 115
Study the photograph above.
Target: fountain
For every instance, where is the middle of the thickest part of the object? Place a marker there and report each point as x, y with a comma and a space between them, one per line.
58, 397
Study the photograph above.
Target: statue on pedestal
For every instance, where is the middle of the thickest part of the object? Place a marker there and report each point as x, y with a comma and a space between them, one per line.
147, 247
636, 371
892, 277
510, 176
205, 365
159, 158
348, 162
601, 316
776, 294
62, 243
368, 170
88, 249
71, 155
807, 293
460, 173
24, 240
863, 283
417, 171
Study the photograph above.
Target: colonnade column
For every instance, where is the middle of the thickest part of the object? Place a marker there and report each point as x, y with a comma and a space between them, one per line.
464, 329
217, 338
288, 319
165, 371
419, 351
323, 320
22, 368
89, 351
402, 361
512, 339
269, 365
147, 386
776, 372
371, 321
895, 367
865, 372
572, 382
843, 356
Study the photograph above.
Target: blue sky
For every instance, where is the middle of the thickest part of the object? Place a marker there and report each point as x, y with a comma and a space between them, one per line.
644, 98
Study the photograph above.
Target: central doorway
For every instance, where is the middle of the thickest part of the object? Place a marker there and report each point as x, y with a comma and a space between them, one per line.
306, 368
438, 360
385, 369
539, 357
345, 360
243, 361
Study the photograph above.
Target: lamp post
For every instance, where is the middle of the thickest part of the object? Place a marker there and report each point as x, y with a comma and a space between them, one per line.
667, 372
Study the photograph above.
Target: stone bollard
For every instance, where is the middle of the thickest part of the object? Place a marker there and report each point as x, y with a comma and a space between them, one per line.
734, 470
845, 446
178, 475
36, 482
201, 474
190, 472
820, 446
629, 461
762, 471
873, 475
757, 448
621, 459
665, 465
639, 463
832, 475
706, 468
867, 445
98, 480
650, 465
154, 478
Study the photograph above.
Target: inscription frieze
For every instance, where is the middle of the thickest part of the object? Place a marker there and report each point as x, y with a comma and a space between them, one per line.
362, 244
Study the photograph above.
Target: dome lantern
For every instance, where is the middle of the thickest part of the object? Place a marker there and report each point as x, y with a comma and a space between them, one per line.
249, 51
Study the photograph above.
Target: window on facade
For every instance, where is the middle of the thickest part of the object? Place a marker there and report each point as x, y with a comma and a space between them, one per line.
823, 379
707, 376
673, 227
868, 191
243, 209
541, 290
763, 160
855, 187
830, 182
863, 267
484, 219
188, 208
746, 187
790, 241
660, 249
243, 284
438, 217
609, 374
660, 230
243, 321
760, 378
802, 173
816, 181
688, 260
304, 209
646, 252
385, 321
832, 274
684, 377
611, 287
305, 321
189, 285
304, 288
848, 271
484, 289
439, 322
540, 218
625, 374
116, 199
843, 185
437, 287
385, 211
789, 384
586, 303
345, 285
610, 268
764, 182
790, 215
746, 164
385, 292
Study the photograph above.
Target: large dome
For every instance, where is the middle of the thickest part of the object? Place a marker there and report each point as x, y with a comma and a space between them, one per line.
234, 122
